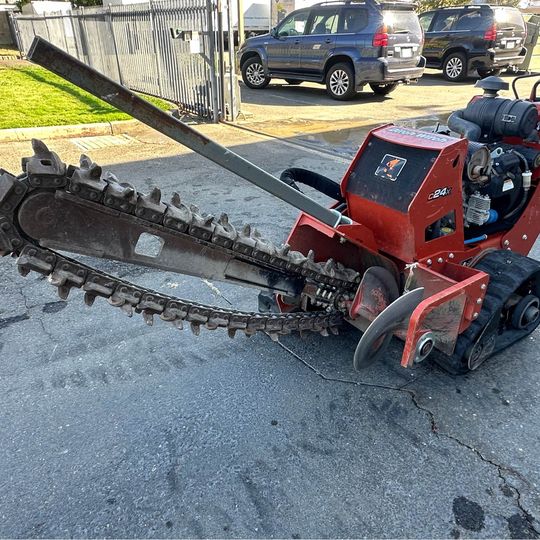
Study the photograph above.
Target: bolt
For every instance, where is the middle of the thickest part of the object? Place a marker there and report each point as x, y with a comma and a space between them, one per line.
429, 262
475, 316
478, 300
342, 240
483, 286
451, 256
506, 243
524, 237
5, 226
440, 260
15, 242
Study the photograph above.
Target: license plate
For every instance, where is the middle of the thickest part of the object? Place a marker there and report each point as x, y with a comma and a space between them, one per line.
510, 44
406, 52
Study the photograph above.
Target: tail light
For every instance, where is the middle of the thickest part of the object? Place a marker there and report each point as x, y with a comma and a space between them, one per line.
491, 33
380, 39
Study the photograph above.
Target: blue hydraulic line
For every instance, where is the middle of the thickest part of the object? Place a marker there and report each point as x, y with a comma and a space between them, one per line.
474, 240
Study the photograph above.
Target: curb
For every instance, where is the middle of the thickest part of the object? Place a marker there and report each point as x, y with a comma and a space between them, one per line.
115, 127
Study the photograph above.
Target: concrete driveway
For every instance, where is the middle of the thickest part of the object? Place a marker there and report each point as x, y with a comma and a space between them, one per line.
110, 428
308, 115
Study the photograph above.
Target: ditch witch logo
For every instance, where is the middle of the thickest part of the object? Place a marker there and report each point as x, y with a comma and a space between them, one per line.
390, 167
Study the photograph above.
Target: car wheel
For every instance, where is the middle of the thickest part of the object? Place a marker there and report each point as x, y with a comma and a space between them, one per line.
382, 89
340, 82
253, 74
455, 67
293, 82
483, 73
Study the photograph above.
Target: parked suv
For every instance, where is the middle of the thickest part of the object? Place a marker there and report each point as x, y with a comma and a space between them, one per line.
485, 38
344, 45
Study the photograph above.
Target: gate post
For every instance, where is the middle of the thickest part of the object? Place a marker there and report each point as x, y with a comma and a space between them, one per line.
156, 48
115, 47
210, 10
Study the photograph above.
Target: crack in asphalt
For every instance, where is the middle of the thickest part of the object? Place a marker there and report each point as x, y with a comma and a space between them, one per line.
38, 319
501, 469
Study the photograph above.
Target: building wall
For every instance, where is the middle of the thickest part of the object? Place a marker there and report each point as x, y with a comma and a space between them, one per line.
5, 32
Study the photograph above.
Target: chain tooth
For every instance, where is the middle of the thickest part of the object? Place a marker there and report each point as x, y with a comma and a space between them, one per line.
231, 332
35, 259
89, 299
125, 297
195, 328
67, 275
244, 243
85, 181
150, 207
224, 233
120, 196
177, 216
99, 285
202, 226
148, 317
178, 323
175, 309
44, 169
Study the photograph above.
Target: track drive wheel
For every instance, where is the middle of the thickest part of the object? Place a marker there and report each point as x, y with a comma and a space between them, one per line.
511, 311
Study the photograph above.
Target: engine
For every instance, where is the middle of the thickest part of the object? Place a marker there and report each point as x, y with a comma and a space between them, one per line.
497, 176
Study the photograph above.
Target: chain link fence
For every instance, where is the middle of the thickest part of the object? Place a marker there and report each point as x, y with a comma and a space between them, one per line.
166, 48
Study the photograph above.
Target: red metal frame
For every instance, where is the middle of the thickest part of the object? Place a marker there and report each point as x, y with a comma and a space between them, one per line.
383, 236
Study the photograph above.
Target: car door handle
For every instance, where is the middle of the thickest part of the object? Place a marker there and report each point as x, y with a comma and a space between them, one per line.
296, 41
328, 40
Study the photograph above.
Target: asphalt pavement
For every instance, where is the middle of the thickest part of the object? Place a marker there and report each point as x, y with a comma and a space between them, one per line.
110, 428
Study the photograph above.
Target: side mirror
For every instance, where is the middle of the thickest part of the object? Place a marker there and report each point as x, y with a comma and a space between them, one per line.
273, 32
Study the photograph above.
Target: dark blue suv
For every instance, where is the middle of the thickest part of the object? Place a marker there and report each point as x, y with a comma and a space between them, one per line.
344, 45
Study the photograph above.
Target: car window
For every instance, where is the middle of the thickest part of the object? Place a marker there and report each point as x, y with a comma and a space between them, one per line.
472, 20
324, 22
293, 25
508, 17
425, 20
401, 22
354, 20
445, 21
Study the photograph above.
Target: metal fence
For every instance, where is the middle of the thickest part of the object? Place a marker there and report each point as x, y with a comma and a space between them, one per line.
166, 48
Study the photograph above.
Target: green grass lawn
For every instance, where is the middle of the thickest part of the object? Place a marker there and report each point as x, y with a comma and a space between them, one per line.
31, 96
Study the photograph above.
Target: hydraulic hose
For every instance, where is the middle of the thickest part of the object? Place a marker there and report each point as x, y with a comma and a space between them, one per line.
317, 181
526, 186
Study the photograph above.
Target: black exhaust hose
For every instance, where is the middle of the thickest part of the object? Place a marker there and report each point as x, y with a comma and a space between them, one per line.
312, 179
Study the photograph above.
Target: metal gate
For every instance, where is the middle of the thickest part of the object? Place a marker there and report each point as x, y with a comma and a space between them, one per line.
166, 48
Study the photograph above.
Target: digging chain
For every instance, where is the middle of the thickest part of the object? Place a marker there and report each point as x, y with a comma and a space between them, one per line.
45, 171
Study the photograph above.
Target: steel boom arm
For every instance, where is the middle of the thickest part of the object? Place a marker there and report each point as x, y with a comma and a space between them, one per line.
69, 68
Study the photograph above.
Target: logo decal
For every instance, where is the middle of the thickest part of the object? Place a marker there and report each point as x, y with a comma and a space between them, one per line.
441, 192
390, 167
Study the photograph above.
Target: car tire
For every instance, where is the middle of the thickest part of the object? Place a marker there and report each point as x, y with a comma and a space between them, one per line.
253, 74
340, 82
455, 67
293, 82
382, 89
483, 73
